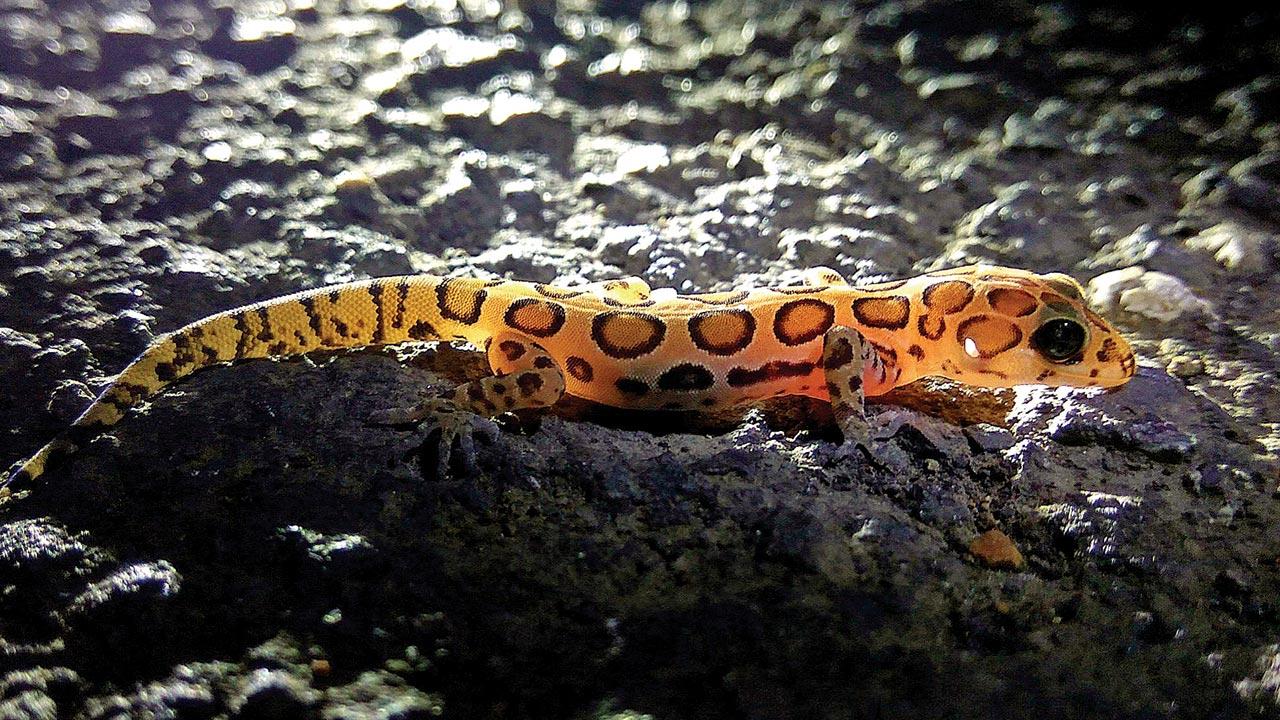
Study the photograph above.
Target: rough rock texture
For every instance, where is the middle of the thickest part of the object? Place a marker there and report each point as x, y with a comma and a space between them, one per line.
248, 546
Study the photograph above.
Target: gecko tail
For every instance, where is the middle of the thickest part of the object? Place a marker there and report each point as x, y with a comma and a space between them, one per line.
358, 314
22, 474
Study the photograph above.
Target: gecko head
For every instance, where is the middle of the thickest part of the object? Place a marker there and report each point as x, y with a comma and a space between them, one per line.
1024, 328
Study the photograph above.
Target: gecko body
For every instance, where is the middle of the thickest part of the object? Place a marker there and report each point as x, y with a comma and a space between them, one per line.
621, 344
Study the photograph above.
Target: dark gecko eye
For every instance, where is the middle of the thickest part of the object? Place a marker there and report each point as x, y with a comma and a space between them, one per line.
1059, 340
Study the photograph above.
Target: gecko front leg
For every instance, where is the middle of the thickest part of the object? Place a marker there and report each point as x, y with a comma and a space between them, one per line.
853, 365
525, 376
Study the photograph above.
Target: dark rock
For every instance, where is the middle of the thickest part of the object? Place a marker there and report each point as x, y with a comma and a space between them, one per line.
257, 42
273, 694
1233, 582
1257, 183
98, 132
247, 544
38, 694
128, 40
384, 695
129, 585
989, 438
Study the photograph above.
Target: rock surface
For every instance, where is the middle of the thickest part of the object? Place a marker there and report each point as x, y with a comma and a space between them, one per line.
248, 546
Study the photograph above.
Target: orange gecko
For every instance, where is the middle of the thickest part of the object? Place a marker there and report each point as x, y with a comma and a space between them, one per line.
620, 344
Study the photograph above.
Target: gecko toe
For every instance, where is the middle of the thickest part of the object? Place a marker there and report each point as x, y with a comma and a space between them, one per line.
450, 433
412, 414
455, 431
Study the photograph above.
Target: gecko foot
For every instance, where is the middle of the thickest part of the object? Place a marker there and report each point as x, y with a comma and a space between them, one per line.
855, 428
446, 425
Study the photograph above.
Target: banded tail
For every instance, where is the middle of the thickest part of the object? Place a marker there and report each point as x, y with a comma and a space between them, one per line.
359, 314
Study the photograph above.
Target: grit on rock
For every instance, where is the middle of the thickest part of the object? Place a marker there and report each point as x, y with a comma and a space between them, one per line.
247, 545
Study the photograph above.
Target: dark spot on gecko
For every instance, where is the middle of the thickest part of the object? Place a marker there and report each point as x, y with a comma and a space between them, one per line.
242, 342
722, 332
887, 354
770, 371
632, 386
402, 296
931, 326
627, 335
839, 354
118, 402
580, 369
543, 362
423, 330
916, 352
890, 313
1107, 352
1129, 364
529, 383
948, 297
614, 302
686, 377
376, 291
460, 303
132, 391
313, 318
477, 395
536, 317
800, 321
511, 350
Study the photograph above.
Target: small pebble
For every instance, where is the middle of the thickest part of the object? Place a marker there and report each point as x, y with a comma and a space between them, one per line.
994, 549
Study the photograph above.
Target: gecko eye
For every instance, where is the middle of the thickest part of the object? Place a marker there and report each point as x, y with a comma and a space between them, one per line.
1059, 340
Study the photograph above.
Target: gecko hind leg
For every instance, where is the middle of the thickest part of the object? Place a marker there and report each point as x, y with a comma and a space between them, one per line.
851, 363
525, 376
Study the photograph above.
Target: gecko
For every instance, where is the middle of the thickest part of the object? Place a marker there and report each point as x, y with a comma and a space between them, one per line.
622, 344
